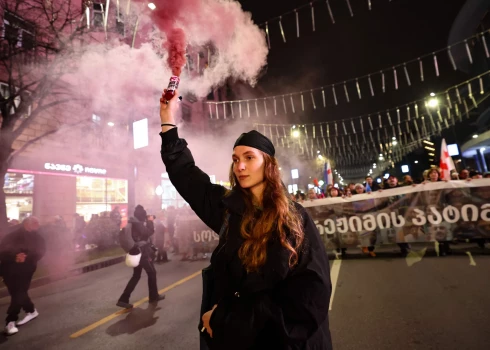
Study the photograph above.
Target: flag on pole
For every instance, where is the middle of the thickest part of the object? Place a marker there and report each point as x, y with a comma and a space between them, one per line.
446, 163
327, 174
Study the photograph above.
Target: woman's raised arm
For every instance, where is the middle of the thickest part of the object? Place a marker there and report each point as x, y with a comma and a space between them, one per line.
191, 182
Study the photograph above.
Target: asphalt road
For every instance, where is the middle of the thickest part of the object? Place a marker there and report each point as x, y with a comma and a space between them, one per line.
386, 302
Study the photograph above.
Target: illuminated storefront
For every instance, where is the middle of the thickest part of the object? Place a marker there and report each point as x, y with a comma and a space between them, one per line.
99, 195
19, 189
49, 188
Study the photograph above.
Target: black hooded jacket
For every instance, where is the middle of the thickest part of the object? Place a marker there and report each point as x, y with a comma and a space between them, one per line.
275, 308
21, 241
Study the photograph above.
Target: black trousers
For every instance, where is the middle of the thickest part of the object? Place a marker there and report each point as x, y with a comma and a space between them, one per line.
146, 263
162, 254
404, 247
18, 283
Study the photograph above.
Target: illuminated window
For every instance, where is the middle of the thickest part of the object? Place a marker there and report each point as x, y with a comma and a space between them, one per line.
18, 189
100, 190
17, 183
170, 196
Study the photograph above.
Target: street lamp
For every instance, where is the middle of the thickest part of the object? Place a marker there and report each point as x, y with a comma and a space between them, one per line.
433, 103
295, 133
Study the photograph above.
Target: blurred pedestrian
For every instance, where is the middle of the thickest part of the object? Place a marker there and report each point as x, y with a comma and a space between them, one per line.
141, 228
116, 217
159, 240
20, 252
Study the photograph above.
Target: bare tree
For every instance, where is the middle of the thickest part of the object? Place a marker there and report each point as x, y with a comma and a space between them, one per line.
40, 39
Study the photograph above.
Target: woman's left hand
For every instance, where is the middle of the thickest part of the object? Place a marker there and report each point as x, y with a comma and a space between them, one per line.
205, 321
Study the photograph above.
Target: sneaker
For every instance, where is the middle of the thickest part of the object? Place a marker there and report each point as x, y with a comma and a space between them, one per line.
29, 317
124, 305
160, 297
10, 328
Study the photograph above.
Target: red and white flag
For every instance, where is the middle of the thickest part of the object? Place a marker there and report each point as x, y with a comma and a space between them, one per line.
328, 176
446, 163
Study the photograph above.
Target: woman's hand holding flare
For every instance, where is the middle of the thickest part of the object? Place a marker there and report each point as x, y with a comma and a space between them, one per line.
167, 111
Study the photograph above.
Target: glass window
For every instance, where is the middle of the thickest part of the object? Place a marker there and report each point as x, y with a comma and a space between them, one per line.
18, 208
117, 191
99, 190
170, 196
17, 183
87, 210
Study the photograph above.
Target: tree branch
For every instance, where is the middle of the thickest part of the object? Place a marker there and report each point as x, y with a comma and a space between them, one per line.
20, 129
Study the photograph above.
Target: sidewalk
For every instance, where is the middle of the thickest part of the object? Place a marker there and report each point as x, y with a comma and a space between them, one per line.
75, 270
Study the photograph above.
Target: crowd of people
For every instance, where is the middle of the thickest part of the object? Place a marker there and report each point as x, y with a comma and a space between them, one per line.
391, 181
443, 233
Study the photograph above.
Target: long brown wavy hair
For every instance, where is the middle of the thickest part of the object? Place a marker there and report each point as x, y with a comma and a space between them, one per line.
278, 215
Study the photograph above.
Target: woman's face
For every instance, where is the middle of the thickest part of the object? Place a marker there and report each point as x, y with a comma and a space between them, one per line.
359, 189
334, 192
248, 166
433, 176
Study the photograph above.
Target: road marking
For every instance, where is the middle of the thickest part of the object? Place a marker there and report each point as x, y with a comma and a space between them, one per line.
472, 261
436, 247
415, 256
125, 311
334, 276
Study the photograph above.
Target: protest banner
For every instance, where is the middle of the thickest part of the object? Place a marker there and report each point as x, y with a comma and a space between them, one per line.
193, 235
439, 211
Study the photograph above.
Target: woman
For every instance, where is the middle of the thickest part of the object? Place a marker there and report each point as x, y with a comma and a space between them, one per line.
359, 189
433, 175
271, 274
333, 192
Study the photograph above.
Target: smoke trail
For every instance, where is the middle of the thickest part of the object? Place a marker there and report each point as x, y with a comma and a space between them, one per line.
239, 46
176, 47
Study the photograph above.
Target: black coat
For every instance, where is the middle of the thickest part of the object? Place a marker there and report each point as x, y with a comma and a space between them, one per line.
21, 241
276, 308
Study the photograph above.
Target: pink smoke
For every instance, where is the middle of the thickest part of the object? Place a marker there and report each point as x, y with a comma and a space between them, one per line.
240, 46
114, 78
176, 47
212, 19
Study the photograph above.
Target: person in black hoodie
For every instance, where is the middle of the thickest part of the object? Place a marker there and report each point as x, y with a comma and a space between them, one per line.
271, 279
141, 230
20, 251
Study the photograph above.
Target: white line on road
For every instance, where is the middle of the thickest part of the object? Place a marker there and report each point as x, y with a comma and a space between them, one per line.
472, 261
334, 276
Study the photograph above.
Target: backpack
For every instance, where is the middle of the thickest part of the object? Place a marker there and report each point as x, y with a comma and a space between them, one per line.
125, 238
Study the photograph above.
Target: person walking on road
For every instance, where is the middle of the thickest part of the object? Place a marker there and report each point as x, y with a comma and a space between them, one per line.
141, 229
268, 285
20, 252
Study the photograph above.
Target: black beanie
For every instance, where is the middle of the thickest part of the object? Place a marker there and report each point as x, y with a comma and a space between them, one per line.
140, 213
256, 140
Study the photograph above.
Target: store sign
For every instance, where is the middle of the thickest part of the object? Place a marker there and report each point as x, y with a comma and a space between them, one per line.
77, 169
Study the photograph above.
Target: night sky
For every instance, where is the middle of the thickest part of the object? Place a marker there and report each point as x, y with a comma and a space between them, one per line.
389, 34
